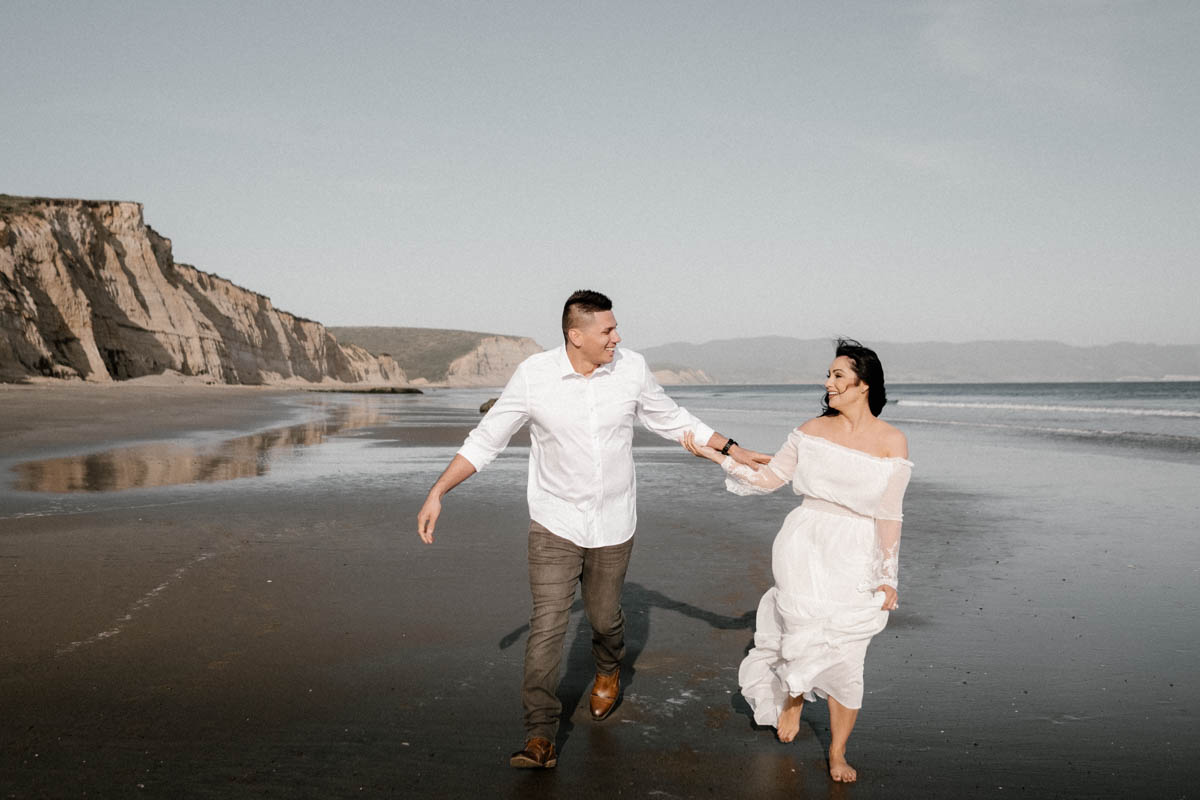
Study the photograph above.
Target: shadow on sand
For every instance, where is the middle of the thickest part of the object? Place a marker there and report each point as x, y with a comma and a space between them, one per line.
636, 601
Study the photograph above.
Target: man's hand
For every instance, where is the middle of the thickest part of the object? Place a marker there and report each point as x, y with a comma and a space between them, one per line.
427, 517
892, 600
459, 470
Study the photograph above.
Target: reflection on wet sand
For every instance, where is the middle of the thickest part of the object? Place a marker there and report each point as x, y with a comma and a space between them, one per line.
172, 464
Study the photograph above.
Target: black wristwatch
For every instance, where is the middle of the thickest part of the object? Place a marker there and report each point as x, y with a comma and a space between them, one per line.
728, 444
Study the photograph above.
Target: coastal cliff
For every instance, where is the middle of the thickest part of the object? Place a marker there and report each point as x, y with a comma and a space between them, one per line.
89, 291
446, 357
491, 362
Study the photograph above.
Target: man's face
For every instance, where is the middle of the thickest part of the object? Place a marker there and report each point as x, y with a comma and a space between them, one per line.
597, 337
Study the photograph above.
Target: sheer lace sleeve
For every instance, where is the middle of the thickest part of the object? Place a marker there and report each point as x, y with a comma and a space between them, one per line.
887, 528
742, 480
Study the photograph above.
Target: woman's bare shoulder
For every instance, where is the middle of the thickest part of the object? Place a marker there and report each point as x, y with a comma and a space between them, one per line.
895, 443
815, 426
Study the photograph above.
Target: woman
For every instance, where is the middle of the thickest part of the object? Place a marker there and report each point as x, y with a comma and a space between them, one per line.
834, 560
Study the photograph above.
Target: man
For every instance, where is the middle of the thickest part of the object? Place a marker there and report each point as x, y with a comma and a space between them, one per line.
581, 400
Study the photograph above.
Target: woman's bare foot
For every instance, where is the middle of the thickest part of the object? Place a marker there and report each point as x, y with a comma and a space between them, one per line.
788, 724
839, 770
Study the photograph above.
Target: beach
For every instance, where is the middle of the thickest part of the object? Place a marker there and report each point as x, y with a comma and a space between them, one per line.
219, 592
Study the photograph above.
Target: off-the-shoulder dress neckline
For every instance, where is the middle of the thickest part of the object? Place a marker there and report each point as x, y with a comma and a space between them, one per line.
862, 453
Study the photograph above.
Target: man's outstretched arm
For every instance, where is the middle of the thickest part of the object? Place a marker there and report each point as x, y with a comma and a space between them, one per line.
459, 470
662, 415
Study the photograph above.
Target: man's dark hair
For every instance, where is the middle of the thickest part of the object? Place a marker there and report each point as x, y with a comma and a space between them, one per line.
584, 301
869, 371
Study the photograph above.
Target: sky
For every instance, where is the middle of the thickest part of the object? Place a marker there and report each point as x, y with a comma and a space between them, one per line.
893, 171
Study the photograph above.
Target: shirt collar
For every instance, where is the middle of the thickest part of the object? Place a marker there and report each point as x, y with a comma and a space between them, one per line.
567, 369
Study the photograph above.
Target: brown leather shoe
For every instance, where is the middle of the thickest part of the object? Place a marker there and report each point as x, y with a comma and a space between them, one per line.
605, 691
538, 753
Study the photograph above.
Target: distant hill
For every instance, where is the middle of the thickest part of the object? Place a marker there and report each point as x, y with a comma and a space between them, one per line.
781, 359
470, 358
438, 355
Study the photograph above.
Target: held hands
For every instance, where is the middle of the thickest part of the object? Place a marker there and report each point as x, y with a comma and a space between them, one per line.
751, 458
892, 599
738, 453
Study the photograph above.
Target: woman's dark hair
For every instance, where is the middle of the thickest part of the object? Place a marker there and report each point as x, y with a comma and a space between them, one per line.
869, 371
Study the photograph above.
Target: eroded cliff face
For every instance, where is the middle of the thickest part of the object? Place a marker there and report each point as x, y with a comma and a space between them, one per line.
492, 361
88, 290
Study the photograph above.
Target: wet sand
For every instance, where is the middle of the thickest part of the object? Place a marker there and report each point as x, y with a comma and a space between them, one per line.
285, 634
40, 418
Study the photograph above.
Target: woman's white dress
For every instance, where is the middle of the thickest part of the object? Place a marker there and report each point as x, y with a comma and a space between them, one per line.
833, 550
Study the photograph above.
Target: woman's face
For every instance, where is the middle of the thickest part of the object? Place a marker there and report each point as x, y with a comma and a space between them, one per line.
843, 385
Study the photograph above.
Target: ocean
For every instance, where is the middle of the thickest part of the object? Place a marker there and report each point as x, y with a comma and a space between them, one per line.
1154, 419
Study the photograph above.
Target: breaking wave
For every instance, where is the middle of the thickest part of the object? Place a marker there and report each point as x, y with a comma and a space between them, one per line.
1136, 412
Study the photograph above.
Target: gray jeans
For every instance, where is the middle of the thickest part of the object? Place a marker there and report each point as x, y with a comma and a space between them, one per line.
556, 568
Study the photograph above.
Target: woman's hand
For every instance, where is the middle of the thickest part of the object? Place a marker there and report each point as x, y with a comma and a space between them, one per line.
892, 600
700, 450
750, 458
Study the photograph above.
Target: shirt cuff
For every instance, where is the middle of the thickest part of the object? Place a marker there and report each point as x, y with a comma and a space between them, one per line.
477, 455
703, 433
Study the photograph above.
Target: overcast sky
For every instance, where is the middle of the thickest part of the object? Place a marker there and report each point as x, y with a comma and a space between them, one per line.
894, 171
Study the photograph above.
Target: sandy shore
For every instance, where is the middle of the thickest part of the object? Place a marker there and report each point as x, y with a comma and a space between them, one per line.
288, 635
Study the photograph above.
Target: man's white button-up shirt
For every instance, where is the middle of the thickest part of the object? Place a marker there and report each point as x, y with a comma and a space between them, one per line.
581, 479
